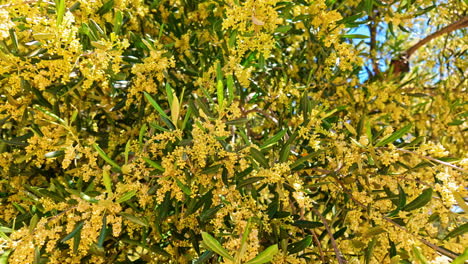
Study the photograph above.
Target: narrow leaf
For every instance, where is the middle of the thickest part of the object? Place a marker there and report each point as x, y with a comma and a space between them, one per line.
73, 233
273, 139
462, 258
417, 252
419, 201
457, 231
153, 164
60, 9
134, 219
300, 245
220, 94
265, 256
183, 187
398, 134
118, 21
283, 29
354, 36
155, 105
460, 201
170, 94
212, 244
230, 87
107, 181
304, 159
307, 224
259, 157
126, 196
106, 158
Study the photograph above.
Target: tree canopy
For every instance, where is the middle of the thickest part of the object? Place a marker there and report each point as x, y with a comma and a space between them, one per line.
233, 131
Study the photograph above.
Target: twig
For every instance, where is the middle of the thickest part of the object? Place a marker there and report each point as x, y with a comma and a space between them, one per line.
260, 111
432, 159
338, 254
401, 64
452, 27
319, 245
373, 44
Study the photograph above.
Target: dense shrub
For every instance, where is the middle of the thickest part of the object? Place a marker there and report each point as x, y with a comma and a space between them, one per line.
220, 131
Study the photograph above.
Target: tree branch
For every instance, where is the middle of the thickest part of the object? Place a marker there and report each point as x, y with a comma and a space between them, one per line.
401, 64
373, 43
338, 254
452, 27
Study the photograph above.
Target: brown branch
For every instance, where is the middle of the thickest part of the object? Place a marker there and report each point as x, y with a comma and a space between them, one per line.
373, 43
338, 254
319, 245
400, 64
452, 27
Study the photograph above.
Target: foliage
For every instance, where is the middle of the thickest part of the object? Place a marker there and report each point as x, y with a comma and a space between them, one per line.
233, 131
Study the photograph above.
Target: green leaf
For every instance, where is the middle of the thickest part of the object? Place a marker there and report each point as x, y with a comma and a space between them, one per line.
417, 252
183, 187
102, 234
153, 164
117, 21
126, 196
368, 6
283, 29
155, 105
230, 87
370, 250
401, 201
248, 181
245, 236
300, 245
457, 231
212, 244
419, 201
374, 231
134, 219
307, 224
54, 116
170, 94
106, 7
460, 201
284, 152
304, 159
14, 40
209, 213
204, 257
273, 139
4, 257
398, 134
354, 36
60, 10
54, 154
74, 232
265, 256
220, 94
107, 181
141, 134
461, 259
240, 121
259, 157
369, 131
106, 158
5, 229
